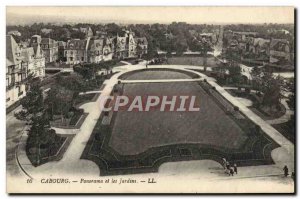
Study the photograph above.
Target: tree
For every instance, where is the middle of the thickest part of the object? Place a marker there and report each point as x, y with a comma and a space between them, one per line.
60, 101
235, 72
271, 88
205, 48
33, 112
256, 75
291, 96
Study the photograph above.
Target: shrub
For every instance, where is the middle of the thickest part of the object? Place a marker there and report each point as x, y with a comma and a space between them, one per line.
236, 108
76, 116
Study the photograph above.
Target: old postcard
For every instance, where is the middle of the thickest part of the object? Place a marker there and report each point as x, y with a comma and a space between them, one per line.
150, 99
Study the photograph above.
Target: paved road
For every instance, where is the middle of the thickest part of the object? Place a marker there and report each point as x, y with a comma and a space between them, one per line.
14, 129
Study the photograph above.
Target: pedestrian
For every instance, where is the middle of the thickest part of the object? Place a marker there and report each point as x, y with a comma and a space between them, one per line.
235, 168
146, 65
286, 171
231, 171
227, 165
224, 163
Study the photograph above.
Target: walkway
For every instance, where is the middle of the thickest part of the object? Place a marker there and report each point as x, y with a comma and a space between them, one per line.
286, 117
89, 92
125, 62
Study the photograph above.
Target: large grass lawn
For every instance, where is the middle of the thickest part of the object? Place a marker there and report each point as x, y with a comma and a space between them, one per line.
156, 74
135, 132
136, 142
193, 60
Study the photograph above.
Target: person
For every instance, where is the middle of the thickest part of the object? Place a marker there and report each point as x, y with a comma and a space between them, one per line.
146, 65
224, 163
227, 165
231, 171
286, 171
293, 176
235, 168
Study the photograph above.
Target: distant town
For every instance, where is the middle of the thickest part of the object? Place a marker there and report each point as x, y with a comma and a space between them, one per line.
31, 49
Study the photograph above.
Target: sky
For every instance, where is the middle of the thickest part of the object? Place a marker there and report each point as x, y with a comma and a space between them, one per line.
195, 15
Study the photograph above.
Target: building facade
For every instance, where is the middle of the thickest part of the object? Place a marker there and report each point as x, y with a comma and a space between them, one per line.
130, 46
95, 49
61, 50
76, 51
279, 51
34, 60
50, 49
16, 72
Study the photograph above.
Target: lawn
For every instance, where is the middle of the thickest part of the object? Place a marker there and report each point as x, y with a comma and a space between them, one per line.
144, 130
287, 129
138, 142
48, 152
193, 60
156, 74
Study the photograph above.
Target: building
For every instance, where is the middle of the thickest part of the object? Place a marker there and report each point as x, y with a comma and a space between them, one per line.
130, 46
210, 38
61, 50
121, 50
108, 49
101, 34
87, 31
50, 49
95, 50
46, 31
34, 60
16, 72
279, 51
15, 33
142, 46
261, 48
76, 51
239, 40
244, 36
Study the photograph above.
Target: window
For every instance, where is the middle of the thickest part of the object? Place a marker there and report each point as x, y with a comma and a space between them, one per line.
20, 92
71, 58
82, 58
